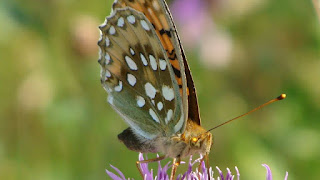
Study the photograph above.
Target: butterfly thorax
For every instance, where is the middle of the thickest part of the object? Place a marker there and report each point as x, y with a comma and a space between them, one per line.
194, 140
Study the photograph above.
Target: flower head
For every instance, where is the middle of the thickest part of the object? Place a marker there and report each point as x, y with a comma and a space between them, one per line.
204, 173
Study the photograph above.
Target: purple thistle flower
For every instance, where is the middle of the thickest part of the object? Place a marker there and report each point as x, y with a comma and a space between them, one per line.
203, 174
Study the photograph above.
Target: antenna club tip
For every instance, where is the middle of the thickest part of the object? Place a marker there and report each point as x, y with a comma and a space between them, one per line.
282, 96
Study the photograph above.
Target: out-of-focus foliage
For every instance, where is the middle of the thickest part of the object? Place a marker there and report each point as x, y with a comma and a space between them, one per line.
55, 122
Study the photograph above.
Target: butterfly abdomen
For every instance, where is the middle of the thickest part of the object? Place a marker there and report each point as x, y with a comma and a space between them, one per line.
135, 142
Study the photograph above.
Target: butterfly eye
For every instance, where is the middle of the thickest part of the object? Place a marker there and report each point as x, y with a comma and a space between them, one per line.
194, 140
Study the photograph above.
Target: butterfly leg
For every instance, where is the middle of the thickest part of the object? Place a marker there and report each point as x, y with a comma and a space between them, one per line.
147, 161
205, 160
175, 164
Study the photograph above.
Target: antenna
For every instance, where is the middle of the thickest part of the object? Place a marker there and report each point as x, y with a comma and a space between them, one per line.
282, 96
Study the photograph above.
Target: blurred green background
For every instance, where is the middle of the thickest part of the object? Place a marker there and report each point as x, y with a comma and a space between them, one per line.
55, 122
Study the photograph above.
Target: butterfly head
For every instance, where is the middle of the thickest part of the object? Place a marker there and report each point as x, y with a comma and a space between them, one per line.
198, 139
204, 140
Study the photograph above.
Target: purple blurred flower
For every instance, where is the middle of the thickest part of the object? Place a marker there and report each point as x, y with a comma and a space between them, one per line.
203, 174
193, 18
198, 31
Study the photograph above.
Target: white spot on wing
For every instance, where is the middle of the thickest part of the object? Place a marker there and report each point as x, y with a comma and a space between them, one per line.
144, 25
131, 79
163, 64
120, 22
153, 62
108, 58
112, 30
132, 51
140, 101
132, 65
107, 42
150, 90
167, 93
108, 74
179, 125
119, 87
160, 106
100, 53
169, 115
154, 115
143, 59
131, 19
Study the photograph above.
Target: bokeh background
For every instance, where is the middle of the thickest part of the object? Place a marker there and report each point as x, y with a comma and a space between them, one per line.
55, 122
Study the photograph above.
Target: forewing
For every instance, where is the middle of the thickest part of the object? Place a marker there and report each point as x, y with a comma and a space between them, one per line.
159, 15
137, 76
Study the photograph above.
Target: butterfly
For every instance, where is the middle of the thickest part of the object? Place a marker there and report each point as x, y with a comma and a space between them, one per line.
146, 74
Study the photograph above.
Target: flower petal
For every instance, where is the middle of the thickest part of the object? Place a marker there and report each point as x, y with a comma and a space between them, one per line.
238, 173
269, 174
229, 176
113, 176
220, 173
286, 177
144, 168
119, 172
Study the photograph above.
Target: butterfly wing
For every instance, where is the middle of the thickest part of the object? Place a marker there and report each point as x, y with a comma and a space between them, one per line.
136, 73
158, 13
193, 107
